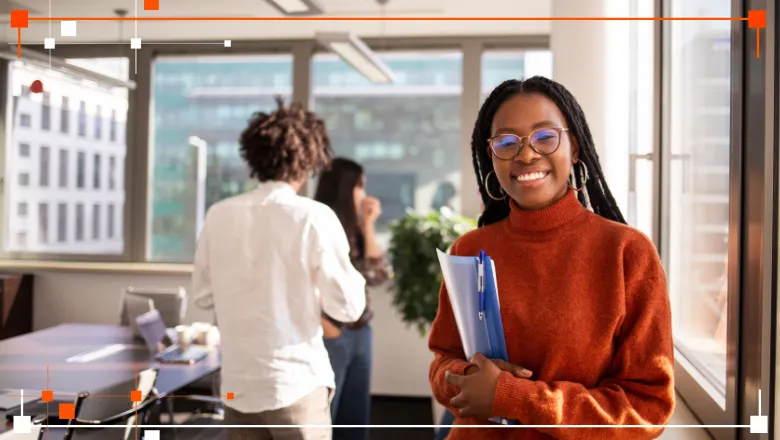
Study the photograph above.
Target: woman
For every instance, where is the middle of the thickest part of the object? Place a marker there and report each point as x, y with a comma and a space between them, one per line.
343, 188
583, 296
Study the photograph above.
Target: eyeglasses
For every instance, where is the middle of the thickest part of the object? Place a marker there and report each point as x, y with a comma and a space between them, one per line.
544, 141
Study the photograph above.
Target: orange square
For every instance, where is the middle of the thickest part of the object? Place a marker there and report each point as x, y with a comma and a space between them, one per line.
756, 19
151, 5
135, 395
230, 396
67, 411
47, 395
19, 18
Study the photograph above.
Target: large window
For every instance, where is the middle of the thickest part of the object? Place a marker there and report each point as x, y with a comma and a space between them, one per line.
405, 134
697, 166
202, 102
41, 125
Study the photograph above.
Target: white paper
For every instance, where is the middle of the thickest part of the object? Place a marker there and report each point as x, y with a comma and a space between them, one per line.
460, 278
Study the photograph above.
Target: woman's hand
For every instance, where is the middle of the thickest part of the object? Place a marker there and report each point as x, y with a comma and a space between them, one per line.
372, 209
478, 385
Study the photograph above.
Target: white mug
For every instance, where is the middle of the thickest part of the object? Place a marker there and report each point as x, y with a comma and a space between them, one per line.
183, 336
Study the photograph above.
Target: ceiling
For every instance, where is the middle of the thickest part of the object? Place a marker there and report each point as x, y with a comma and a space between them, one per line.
109, 31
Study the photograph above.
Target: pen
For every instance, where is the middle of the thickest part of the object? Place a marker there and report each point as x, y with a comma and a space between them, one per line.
481, 284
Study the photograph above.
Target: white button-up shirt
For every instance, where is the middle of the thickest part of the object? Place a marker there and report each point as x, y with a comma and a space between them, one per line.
270, 262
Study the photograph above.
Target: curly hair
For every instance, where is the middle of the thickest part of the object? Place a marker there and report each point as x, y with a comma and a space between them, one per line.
287, 145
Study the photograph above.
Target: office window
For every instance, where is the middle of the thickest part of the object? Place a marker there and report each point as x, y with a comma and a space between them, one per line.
21, 239
96, 172
63, 179
43, 223
63, 152
21, 209
96, 222
112, 126
405, 134
62, 222
98, 122
43, 175
65, 115
698, 196
202, 99
46, 112
110, 221
82, 118
111, 171
81, 169
79, 222
499, 66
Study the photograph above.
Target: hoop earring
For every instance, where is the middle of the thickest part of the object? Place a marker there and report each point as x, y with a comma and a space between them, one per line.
487, 189
573, 177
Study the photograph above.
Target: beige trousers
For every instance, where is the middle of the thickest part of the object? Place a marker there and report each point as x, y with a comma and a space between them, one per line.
313, 409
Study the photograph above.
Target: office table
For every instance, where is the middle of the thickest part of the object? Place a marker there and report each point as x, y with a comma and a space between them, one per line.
24, 360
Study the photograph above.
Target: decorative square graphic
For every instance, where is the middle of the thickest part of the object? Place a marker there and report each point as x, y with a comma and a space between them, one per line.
135, 395
228, 43
151, 5
756, 19
20, 18
230, 396
135, 43
22, 424
152, 435
47, 395
48, 43
67, 411
67, 28
759, 424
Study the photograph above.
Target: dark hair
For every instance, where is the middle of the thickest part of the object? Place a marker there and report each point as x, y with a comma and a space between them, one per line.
336, 188
286, 145
595, 195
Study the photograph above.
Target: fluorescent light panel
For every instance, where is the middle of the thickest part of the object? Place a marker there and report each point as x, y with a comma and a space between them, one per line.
296, 7
355, 53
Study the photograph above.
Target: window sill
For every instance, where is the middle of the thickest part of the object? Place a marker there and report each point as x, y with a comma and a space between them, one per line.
63, 266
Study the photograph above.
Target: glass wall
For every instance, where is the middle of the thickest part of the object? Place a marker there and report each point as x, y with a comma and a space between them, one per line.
200, 106
405, 134
55, 140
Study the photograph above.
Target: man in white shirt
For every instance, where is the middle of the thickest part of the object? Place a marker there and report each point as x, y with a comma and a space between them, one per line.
270, 262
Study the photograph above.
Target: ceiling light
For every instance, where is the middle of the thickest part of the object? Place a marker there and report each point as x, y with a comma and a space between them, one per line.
352, 50
296, 7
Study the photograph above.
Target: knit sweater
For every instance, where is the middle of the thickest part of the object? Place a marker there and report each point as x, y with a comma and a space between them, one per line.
584, 306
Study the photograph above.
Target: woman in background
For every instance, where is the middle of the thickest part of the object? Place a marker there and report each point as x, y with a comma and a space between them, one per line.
343, 188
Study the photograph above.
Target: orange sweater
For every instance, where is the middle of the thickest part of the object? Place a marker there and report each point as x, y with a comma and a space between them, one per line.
584, 306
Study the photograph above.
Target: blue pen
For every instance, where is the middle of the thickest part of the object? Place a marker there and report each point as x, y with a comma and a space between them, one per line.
481, 284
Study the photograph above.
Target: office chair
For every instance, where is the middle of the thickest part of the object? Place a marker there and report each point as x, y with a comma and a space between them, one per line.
114, 411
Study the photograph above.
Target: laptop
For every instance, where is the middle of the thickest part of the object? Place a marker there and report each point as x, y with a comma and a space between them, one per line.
152, 328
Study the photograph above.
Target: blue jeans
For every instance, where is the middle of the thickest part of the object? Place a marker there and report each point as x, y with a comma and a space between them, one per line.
350, 357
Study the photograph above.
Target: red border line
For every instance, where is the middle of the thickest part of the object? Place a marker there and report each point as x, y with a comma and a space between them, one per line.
319, 18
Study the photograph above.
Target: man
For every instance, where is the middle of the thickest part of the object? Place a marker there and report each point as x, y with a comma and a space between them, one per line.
270, 263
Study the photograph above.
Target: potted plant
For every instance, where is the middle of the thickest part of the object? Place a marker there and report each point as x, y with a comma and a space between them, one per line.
417, 276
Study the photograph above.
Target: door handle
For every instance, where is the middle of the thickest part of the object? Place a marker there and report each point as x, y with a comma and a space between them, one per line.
632, 168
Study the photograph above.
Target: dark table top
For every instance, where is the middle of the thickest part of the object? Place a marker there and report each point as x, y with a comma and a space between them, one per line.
24, 361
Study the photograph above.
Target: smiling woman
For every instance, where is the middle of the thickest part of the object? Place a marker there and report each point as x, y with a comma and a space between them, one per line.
583, 298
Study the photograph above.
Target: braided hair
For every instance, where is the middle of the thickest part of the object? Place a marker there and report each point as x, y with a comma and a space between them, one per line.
285, 145
595, 195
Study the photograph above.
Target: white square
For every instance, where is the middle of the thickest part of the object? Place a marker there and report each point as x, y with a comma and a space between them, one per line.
135, 43
228, 43
22, 424
48, 43
68, 29
152, 435
759, 424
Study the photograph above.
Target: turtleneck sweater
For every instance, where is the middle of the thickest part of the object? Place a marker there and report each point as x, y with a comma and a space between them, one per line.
584, 306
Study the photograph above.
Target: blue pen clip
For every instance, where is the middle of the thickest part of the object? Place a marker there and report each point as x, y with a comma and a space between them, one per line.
481, 284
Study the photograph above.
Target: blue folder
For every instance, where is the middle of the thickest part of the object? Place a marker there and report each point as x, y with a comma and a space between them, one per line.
477, 335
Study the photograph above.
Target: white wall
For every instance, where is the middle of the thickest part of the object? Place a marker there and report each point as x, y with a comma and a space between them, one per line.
401, 356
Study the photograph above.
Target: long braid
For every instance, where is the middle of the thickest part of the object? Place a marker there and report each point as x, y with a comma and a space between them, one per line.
595, 195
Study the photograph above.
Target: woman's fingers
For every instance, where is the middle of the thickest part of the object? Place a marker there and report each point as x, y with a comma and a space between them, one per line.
515, 370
